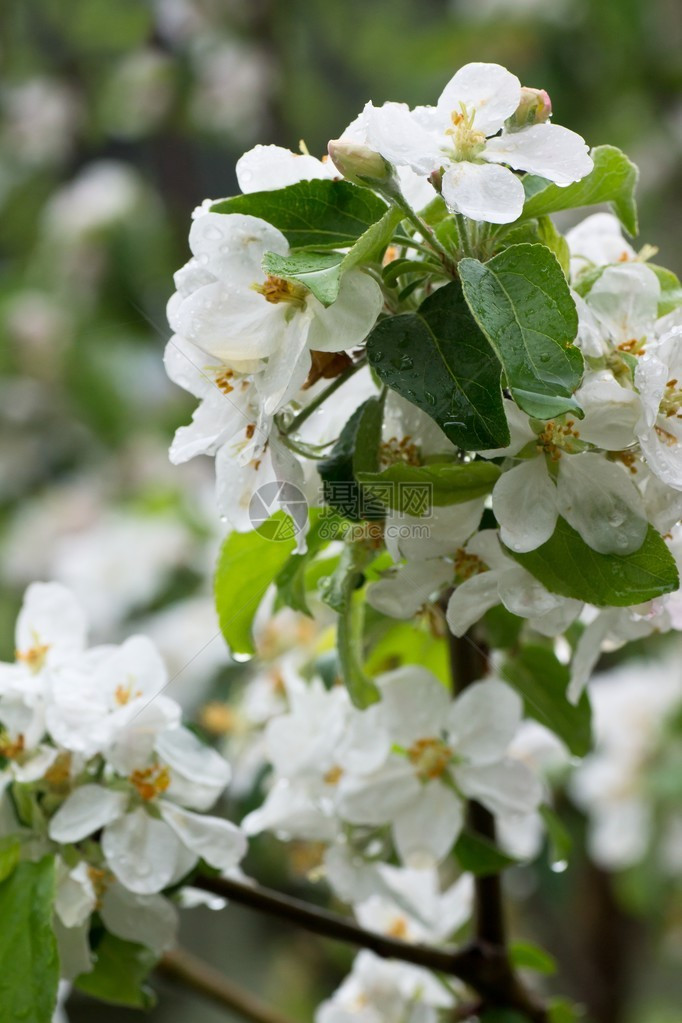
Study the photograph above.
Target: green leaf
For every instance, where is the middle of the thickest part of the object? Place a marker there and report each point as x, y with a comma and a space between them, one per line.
247, 565
542, 680
439, 360
10, 850
560, 1010
118, 976
522, 303
671, 289
28, 948
312, 214
567, 566
401, 486
527, 956
292, 580
356, 451
480, 856
555, 242
613, 180
409, 643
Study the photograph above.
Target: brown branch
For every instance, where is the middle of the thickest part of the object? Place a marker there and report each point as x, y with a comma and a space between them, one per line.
481, 965
180, 965
468, 664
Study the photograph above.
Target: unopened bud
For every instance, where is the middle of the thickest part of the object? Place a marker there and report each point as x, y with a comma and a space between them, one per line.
535, 107
436, 179
357, 162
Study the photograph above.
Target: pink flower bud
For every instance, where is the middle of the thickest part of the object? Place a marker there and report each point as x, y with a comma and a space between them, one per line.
535, 107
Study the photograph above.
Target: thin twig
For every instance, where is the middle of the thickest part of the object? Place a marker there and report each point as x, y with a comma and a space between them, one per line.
180, 965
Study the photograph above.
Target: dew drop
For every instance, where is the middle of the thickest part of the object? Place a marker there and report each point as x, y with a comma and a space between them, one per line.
241, 658
213, 233
559, 866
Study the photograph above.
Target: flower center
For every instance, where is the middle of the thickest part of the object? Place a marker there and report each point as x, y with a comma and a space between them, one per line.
11, 749
277, 289
430, 757
35, 657
671, 400
466, 141
123, 694
403, 450
398, 928
467, 565
557, 437
333, 775
151, 781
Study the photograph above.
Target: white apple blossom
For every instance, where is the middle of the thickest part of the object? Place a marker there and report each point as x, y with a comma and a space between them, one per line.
597, 497
486, 576
410, 905
659, 430
630, 706
466, 135
441, 752
385, 991
597, 241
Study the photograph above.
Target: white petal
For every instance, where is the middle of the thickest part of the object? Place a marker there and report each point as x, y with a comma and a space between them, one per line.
519, 430
483, 721
290, 811
489, 90
413, 704
394, 131
624, 300
219, 842
601, 502
365, 743
378, 797
596, 241
51, 616
547, 149
188, 366
471, 600
198, 773
149, 920
75, 897
405, 589
447, 528
266, 168
144, 853
524, 502
231, 246
523, 595
504, 787
85, 811
288, 366
483, 191
347, 322
427, 828
611, 411
232, 322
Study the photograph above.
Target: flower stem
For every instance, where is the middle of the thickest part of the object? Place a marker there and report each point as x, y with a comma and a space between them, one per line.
339, 381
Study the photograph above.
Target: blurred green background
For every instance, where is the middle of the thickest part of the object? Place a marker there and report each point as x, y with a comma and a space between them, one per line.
116, 119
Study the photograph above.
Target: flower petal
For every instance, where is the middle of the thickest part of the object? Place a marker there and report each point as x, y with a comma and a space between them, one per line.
231, 246
85, 811
198, 773
426, 829
489, 90
221, 843
394, 131
144, 853
51, 617
524, 502
413, 704
471, 600
549, 150
266, 168
483, 721
347, 322
602, 503
483, 191
149, 920
507, 786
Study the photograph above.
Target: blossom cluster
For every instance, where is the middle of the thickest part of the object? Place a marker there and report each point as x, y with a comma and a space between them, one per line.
98, 769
